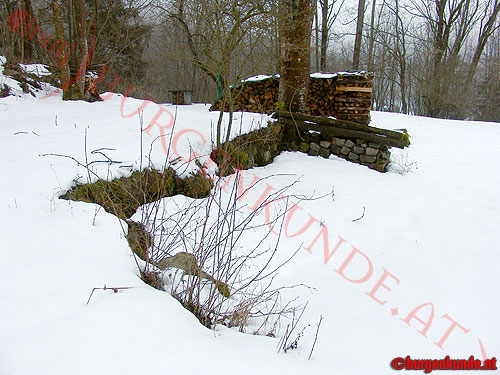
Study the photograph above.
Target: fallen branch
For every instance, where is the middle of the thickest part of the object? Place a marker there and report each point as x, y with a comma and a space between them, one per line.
316, 337
114, 289
362, 216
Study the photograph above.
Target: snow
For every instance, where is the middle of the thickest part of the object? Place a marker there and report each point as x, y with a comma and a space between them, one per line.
431, 236
323, 75
39, 70
257, 78
16, 90
262, 77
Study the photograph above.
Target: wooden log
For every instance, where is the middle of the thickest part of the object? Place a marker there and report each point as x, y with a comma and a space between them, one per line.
342, 124
345, 133
354, 89
353, 100
356, 81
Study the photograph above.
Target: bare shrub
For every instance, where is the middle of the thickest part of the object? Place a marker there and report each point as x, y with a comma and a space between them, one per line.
214, 255
218, 256
402, 164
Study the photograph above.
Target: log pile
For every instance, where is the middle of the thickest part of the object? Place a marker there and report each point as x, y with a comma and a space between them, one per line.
353, 97
259, 96
345, 96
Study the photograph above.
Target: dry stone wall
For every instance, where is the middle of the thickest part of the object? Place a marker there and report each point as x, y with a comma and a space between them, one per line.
373, 155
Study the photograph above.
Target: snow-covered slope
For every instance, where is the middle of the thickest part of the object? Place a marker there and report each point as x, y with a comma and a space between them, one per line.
424, 257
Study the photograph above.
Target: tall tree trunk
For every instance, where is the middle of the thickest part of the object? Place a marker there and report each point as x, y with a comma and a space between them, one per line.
316, 39
371, 45
359, 35
81, 21
61, 43
324, 33
27, 46
295, 21
400, 53
9, 39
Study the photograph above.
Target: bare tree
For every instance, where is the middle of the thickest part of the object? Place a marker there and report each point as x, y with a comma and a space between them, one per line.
371, 45
359, 34
215, 32
441, 18
487, 28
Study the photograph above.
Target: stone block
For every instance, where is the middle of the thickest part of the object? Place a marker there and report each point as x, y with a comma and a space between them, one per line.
325, 144
338, 141
368, 159
370, 151
314, 149
358, 150
353, 156
345, 150
324, 152
335, 149
349, 143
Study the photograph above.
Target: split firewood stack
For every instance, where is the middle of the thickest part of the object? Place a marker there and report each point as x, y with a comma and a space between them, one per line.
345, 96
353, 97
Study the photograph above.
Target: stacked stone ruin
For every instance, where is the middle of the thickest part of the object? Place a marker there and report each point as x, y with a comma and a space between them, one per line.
337, 118
373, 155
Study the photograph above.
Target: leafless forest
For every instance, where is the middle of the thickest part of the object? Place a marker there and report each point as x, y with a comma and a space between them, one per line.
438, 58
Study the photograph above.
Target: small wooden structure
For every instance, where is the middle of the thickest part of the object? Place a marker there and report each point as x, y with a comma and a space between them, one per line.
181, 97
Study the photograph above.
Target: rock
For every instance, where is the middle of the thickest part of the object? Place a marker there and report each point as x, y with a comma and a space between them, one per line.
368, 159
338, 141
358, 150
313, 146
349, 143
370, 151
374, 145
335, 149
314, 149
345, 150
267, 156
325, 144
324, 152
353, 156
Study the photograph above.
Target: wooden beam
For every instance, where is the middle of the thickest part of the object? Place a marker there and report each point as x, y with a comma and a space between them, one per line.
343, 124
345, 133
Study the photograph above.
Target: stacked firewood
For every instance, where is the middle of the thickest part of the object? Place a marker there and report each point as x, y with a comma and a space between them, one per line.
253, 96
353, 97
345, 96
321, 96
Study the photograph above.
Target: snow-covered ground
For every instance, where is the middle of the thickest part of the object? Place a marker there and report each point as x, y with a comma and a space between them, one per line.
416, 275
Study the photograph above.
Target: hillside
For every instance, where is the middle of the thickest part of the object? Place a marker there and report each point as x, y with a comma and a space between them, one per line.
426, 262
